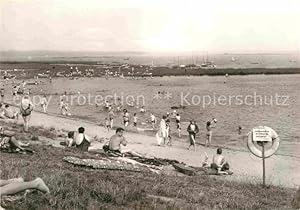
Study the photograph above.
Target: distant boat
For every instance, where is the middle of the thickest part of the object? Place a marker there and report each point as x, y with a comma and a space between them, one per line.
232, 59
255, 63
208, 64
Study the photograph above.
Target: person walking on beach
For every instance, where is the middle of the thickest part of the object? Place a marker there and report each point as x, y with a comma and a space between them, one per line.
178, 123
192, 129
44, 103
26, 108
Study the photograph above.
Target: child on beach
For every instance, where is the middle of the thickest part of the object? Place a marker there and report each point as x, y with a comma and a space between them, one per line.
192, 129
135, 120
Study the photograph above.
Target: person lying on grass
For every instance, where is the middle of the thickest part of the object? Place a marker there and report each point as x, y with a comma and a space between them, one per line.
10, 143
117, 141
14, 186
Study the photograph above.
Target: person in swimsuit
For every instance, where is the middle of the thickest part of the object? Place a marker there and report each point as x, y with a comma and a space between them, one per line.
79, 139
125, 117
9, 142
2, 94
26, 108
153, 120
107, 124
135, 119
219, 163
192, 129
44, 104
111, 118
178, 123
209, 131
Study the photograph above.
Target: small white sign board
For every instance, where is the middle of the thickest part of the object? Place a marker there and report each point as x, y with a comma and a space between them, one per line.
262, 134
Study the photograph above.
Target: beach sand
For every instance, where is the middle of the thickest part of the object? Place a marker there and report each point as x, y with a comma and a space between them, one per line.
280, 170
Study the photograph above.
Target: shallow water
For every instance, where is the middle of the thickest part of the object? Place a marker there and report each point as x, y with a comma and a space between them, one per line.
232, 103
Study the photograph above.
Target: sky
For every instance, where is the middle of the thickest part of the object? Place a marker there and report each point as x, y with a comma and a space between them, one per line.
150, 25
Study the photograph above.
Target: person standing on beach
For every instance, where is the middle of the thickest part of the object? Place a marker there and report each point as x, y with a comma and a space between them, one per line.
162, 132
192, 129
107, 124
168, 129
178, 123
153, 120
125, 118
44, 103
135, 119
26, 108
2, 94
111, 118
209, 131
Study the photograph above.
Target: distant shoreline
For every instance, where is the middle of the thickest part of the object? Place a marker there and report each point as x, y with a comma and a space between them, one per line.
37, 67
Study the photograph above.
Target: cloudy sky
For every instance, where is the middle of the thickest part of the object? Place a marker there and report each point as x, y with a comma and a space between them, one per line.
150, 25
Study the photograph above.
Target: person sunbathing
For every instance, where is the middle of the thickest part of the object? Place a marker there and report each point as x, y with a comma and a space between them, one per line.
17, 185
10, 113
219, 163
10, 143
78, 139
117, 141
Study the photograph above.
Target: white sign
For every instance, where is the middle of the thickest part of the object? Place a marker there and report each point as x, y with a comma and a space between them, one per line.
262, 134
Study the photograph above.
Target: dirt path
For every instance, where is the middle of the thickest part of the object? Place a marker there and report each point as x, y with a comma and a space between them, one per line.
280, 170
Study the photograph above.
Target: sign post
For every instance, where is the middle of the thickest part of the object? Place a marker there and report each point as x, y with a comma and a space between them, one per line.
257, 140
264, 164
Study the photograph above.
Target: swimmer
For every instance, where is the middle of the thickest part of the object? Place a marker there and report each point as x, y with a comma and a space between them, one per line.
135, 119
153, 120
178, 123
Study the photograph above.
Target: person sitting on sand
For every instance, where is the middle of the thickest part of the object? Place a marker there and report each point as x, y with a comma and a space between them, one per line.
17, 185
79, 139
219, 163
192, 129
9, 113
117, 141
10, 143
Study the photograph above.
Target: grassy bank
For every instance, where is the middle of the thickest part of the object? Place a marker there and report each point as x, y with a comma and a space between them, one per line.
82, 188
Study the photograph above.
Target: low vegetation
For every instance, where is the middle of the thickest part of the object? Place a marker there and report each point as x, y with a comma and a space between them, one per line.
83, 188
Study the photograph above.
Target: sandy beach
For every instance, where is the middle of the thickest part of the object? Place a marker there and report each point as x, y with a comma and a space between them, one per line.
281, 170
